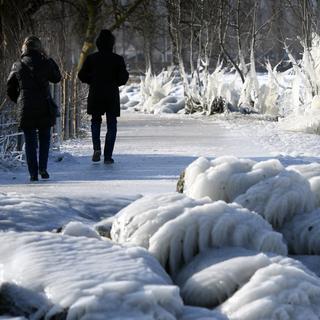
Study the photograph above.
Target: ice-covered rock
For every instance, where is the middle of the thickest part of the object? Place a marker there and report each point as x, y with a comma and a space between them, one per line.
226, 177
84, 278
276, 292
215, 275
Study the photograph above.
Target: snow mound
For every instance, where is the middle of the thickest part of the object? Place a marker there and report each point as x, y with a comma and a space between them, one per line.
226, 177
212, 225
84, 278
278, 199
140, 220
276, 292
302, 233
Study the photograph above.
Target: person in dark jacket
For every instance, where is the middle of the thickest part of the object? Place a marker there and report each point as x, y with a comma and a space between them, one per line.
28, 86
104, 71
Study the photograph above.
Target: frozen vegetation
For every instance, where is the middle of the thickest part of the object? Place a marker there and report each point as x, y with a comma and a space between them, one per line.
292, 97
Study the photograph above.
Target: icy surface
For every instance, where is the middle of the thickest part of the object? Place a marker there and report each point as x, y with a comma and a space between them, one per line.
85, 278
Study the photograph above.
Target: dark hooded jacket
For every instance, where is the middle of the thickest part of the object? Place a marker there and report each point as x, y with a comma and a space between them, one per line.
104, 71
28, 86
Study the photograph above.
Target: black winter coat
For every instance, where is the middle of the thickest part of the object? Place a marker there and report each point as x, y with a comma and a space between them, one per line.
28, 86
104, 71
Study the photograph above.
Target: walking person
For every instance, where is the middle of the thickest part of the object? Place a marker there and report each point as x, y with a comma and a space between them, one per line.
104, 71
28, 86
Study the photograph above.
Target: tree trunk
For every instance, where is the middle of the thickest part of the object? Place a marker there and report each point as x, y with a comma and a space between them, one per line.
92, 10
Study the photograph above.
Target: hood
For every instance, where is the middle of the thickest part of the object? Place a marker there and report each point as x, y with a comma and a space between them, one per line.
105, 41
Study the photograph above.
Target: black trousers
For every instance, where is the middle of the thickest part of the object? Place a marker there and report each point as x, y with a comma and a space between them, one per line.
35, 138
110, 135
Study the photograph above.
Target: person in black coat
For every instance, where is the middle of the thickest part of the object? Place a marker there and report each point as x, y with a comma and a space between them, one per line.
104, 71
28, 86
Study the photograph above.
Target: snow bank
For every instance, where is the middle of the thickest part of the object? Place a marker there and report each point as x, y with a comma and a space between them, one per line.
226, 177
28, 212
276, 292
212, 225
81, 278
139, 221
278, 199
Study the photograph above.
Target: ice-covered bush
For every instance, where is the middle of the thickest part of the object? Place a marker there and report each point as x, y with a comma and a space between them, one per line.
155, 91
54, 276
304, 103
208, 92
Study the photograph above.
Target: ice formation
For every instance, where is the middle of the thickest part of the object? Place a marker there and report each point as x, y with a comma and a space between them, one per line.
212, 225
302, 233
226, 177
280, 198
276, 292
140, 220
84, 278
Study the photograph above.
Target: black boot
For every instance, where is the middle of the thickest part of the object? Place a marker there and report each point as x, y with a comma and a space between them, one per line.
44, 174
34, 178
96, 155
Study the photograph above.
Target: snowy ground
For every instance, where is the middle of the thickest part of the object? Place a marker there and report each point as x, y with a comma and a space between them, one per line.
151, 151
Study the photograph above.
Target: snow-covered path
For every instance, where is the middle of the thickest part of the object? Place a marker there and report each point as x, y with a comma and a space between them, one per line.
151, 151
